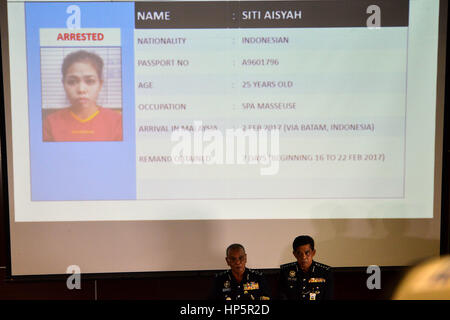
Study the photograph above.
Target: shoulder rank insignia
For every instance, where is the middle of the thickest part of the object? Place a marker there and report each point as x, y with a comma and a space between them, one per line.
259, 273
288, 265
323, 266
220, 274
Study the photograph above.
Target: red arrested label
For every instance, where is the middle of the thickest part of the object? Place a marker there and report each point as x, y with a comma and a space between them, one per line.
78, 36
86, 37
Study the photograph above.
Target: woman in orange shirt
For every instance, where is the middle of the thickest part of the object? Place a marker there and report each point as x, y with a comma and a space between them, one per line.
84, 120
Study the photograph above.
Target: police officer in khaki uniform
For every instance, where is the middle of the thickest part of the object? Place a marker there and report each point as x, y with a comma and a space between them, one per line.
239, 282
305, 279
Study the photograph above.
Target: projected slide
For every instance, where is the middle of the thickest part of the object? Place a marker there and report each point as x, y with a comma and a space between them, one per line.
217, 100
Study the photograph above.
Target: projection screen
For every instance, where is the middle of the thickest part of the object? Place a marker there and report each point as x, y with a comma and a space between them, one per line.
148, 136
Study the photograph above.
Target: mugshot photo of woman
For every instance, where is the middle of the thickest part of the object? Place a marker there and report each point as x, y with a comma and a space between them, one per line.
84, 119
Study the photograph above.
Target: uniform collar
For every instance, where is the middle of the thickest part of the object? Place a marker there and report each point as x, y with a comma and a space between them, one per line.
311, 270
245, 277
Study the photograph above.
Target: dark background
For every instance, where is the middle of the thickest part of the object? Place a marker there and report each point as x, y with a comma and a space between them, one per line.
350, 283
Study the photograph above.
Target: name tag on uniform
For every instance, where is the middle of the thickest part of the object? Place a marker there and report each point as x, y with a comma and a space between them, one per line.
251, 286
316, 280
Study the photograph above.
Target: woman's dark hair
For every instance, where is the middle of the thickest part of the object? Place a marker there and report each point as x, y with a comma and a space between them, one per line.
83, 56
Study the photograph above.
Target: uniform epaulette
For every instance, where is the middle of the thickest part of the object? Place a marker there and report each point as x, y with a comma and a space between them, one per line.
257, 272
220, 274
288, 265
323, 266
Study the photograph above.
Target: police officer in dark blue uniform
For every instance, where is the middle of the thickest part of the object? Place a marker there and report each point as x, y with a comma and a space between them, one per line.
239, 282
305, 279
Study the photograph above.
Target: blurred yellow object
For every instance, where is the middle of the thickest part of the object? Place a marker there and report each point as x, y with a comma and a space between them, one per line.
429, 280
